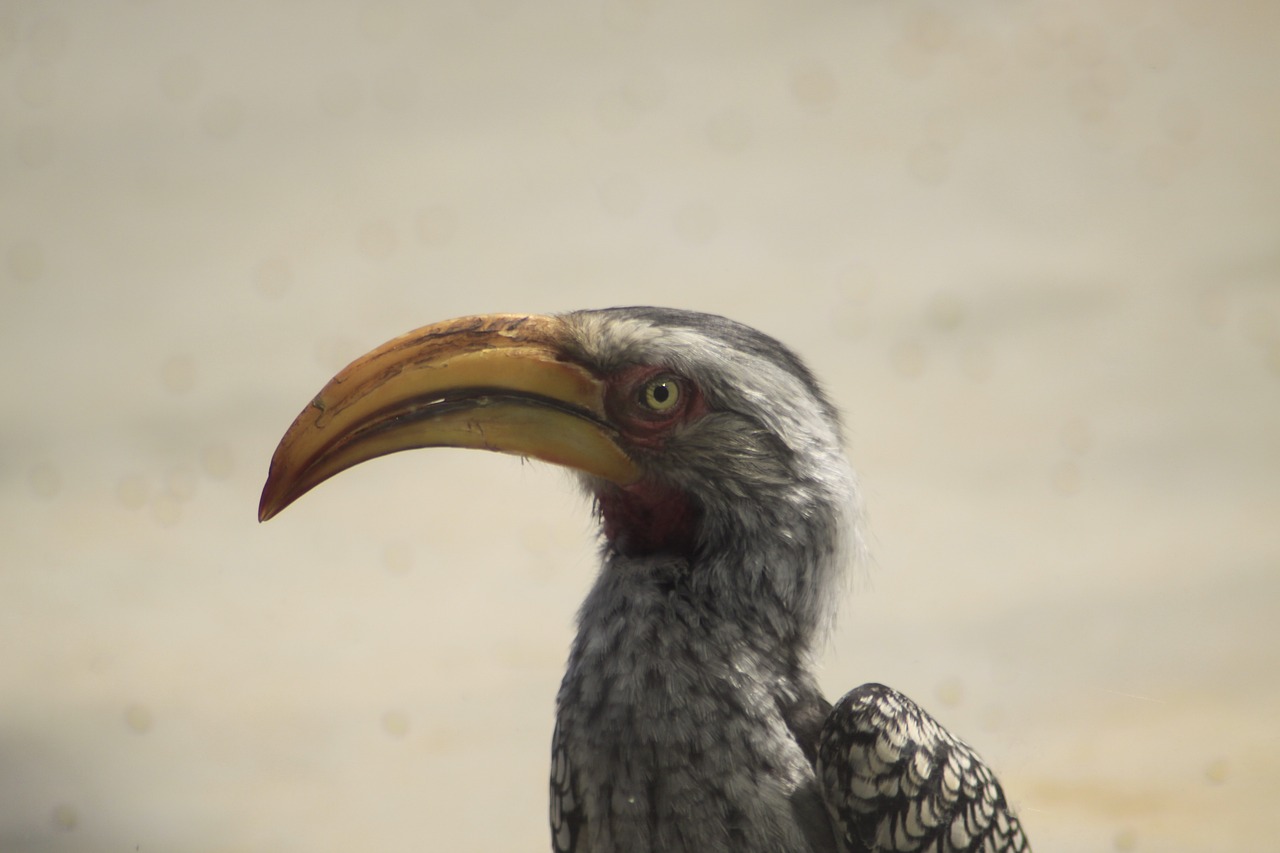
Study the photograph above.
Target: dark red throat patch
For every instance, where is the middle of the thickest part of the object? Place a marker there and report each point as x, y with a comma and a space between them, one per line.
645, 518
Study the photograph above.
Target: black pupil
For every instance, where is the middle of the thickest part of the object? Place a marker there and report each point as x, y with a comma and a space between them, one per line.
661, 392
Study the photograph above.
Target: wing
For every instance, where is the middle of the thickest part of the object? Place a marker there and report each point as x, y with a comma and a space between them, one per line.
567, 819
896, 780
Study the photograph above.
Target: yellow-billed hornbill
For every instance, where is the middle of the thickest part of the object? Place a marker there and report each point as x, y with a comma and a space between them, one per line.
689, 720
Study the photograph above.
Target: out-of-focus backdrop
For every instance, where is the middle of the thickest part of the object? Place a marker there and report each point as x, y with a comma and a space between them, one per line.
1032, 248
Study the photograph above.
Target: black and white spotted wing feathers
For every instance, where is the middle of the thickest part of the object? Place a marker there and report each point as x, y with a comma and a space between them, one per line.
896, 780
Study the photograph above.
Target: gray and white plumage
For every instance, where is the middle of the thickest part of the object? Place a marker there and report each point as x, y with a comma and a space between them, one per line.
689, 718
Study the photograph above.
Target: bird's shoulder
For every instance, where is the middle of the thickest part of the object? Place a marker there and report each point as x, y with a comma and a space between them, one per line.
895, 780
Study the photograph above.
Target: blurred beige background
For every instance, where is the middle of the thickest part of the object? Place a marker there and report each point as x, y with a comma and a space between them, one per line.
1033, 249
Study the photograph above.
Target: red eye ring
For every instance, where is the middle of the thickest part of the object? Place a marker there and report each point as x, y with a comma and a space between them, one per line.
645, 402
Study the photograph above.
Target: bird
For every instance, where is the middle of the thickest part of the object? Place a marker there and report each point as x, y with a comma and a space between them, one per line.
689, 718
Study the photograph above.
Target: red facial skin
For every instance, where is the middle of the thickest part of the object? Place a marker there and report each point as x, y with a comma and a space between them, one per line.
647, 517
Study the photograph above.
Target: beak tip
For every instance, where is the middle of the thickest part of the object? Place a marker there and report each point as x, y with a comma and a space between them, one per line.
270, 504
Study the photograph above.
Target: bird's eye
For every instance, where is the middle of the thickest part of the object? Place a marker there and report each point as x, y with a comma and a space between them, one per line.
661, 394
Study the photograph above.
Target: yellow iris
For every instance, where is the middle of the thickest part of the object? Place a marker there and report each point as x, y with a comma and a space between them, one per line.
660, 395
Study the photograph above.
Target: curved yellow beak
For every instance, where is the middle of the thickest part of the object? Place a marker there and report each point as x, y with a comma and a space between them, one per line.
496, 382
